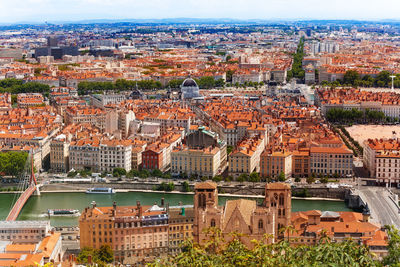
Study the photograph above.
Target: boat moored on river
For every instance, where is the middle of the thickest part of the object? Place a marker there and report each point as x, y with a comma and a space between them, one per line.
100, 190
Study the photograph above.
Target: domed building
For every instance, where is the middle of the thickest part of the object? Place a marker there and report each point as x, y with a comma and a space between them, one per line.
189, 89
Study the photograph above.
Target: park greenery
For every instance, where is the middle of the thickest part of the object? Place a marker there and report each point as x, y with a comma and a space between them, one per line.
99, 257
12, 163
15, 86
354, 79
232, 252
87, 87
342, 116
297, 70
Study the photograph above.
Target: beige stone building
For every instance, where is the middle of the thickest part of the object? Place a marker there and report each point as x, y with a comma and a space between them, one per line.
100, 155
59, 153
246, 157
331, 160
382, 160
86, 114
203, 154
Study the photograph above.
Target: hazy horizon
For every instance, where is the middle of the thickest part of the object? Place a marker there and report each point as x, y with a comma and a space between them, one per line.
40, 11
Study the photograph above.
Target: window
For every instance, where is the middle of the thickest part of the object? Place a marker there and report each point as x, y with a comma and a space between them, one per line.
260, 224
212, 223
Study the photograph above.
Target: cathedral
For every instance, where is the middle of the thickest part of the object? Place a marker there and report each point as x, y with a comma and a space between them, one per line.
242, 215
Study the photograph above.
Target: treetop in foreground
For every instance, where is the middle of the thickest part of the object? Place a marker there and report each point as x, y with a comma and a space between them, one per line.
217, 252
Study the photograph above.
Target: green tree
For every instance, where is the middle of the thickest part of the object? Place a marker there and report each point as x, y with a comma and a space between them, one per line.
217, 178
105, 254
156, 173
281, 177
243, 177
185, 187
85, 253
118, 172
350, 77
254, 177
393, 257
133, 173
12, 163
144, 174
310, 180
217, 251
324, 180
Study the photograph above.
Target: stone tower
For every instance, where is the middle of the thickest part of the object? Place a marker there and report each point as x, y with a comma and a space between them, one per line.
278, 200
205, 199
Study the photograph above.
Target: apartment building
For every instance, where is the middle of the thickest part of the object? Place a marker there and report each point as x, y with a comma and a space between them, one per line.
101, 155
246, 156
115, 154
157, 155
102, 100
203, 154
381, 157
331, 161
85, 154
25, 100
180, 220
61, 104
301, 163
29, 243
347, 99
59, 154
339, 227
137, 234
272, 164
125, 118
91, 115
168, 120
5, 102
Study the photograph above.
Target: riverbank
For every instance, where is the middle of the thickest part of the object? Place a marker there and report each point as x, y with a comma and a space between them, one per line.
37, 206
189, 193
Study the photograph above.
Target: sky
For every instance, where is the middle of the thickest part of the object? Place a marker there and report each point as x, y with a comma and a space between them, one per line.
12, 11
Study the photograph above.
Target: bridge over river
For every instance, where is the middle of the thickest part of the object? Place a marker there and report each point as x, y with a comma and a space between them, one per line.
27, 186
382, 203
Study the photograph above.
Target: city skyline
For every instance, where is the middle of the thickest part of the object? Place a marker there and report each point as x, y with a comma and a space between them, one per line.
41, 11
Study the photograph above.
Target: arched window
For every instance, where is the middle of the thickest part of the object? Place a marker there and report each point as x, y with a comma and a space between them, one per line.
279, 213
212, 224
260, 224
281, 200
273, 204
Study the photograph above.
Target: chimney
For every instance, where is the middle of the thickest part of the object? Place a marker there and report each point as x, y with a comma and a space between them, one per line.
90, 259
114, 209
139, 208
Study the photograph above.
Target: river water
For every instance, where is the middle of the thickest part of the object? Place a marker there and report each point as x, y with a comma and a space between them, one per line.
37, 206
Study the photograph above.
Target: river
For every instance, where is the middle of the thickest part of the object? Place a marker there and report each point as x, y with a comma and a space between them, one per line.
37, 206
